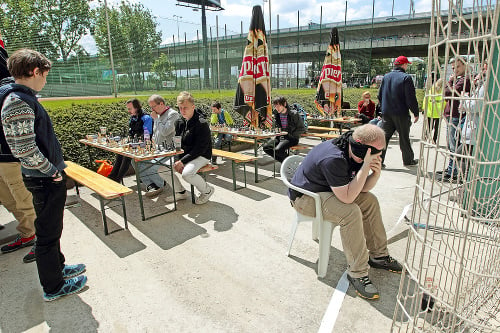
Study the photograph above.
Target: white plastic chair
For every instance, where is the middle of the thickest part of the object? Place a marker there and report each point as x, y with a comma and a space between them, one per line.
320, 228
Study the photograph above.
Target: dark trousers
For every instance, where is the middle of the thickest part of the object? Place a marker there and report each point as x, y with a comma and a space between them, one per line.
120, 168
401, 124
433, 126
279, 147
48, 199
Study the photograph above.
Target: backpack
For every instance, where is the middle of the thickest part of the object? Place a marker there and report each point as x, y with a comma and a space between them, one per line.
303, 114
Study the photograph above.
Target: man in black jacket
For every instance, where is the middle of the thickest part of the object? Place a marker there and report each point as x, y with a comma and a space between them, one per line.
287, 120
396, 96
197, 145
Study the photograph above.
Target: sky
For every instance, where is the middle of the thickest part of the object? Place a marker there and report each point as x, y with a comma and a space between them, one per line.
176, 20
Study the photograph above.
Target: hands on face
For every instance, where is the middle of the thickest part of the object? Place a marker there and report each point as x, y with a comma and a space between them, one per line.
374, 161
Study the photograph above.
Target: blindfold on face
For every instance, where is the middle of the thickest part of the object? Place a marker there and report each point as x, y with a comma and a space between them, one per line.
360, 149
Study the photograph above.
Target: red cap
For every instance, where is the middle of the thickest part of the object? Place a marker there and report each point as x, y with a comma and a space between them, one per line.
401, 60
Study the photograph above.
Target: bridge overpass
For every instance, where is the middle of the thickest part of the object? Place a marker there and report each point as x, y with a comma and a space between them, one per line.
386, 37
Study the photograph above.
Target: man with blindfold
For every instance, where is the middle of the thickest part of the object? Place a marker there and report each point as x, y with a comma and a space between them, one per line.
343, 171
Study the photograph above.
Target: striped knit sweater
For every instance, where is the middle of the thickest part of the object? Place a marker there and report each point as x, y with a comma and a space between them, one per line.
37, 148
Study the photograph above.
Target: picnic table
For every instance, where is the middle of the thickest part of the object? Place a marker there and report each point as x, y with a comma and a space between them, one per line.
161, 158
340, 121
254, 137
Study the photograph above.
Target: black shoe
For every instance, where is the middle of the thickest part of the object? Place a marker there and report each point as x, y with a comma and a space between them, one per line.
153, 191
412, 163
387, 263
364, 287
30, 257
451, 178
214, 161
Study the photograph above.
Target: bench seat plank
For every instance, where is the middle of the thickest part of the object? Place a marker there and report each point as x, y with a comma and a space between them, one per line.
321, 128
105, 187
237, 157
322, 136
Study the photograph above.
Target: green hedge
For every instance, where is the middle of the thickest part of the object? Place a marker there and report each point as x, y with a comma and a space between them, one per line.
73, 120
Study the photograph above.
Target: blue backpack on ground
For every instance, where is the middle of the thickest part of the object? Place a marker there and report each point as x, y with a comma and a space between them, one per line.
303, 114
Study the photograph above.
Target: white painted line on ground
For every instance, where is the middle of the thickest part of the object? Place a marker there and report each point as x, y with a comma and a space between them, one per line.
330, 317
405, 211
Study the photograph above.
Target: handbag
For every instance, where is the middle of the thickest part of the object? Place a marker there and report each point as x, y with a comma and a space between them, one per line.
105, 167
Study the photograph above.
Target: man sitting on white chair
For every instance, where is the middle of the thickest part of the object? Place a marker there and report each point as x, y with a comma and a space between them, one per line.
343, 171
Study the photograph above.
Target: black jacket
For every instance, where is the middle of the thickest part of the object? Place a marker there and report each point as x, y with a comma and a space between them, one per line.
196, 137
397, 94
295, 123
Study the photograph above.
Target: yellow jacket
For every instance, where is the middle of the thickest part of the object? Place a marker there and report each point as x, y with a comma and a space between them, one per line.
435, 103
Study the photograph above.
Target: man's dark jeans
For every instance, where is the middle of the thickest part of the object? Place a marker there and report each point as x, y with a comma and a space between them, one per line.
48, 199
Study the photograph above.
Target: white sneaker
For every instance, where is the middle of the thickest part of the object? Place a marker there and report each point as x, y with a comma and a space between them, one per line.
178, 196
203, 198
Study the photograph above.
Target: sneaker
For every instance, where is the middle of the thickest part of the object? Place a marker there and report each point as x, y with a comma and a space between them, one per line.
178, 196
364, 287
450, 178
18, 243
153, 191
70, 286
203, 198
387, 263
412, 163
70, 271
30, 257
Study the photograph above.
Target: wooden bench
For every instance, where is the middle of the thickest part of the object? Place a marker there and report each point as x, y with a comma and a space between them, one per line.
295, 149
107, 189
322, 136
244, 140
235, 158
325, 129
203, 170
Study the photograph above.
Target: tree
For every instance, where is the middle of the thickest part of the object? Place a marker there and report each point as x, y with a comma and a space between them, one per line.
163, 69
65, 21
133, 38
53, 27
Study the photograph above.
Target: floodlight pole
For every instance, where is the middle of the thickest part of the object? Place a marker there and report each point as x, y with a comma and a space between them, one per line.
110, 48
206, 70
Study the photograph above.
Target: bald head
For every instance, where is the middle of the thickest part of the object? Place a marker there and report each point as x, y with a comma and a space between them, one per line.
370, 135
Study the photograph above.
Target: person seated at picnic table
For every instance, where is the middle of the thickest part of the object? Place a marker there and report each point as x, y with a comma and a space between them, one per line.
287, 120
164, 118
221, 118
366, 108
196, 142
138, 123
343, 171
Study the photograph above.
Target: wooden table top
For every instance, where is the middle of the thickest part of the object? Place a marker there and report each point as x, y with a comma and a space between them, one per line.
136, 157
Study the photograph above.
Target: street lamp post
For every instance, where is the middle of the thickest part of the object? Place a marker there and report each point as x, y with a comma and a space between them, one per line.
177, 18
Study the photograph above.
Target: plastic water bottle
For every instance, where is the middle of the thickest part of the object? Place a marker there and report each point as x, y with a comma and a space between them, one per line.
146, 135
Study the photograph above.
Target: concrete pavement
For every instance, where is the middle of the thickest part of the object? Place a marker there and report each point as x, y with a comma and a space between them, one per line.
219, 267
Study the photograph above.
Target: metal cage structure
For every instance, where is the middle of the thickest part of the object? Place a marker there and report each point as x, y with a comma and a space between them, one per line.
451, 277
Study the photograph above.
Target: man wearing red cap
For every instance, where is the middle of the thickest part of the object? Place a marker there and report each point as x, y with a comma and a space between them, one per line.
396, 97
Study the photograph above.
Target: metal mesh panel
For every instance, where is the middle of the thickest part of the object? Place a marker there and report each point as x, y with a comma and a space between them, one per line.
451, 281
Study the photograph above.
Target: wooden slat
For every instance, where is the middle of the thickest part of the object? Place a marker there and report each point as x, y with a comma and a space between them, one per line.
300, 147
208, 167
321, 128
245, 140
321, 135
105, 187
237, 157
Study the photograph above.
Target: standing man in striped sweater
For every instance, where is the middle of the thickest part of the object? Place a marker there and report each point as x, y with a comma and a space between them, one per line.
42, 166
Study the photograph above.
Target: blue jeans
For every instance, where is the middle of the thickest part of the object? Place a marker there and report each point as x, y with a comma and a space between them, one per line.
49, 198
218, 139
149, 174
453, 130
